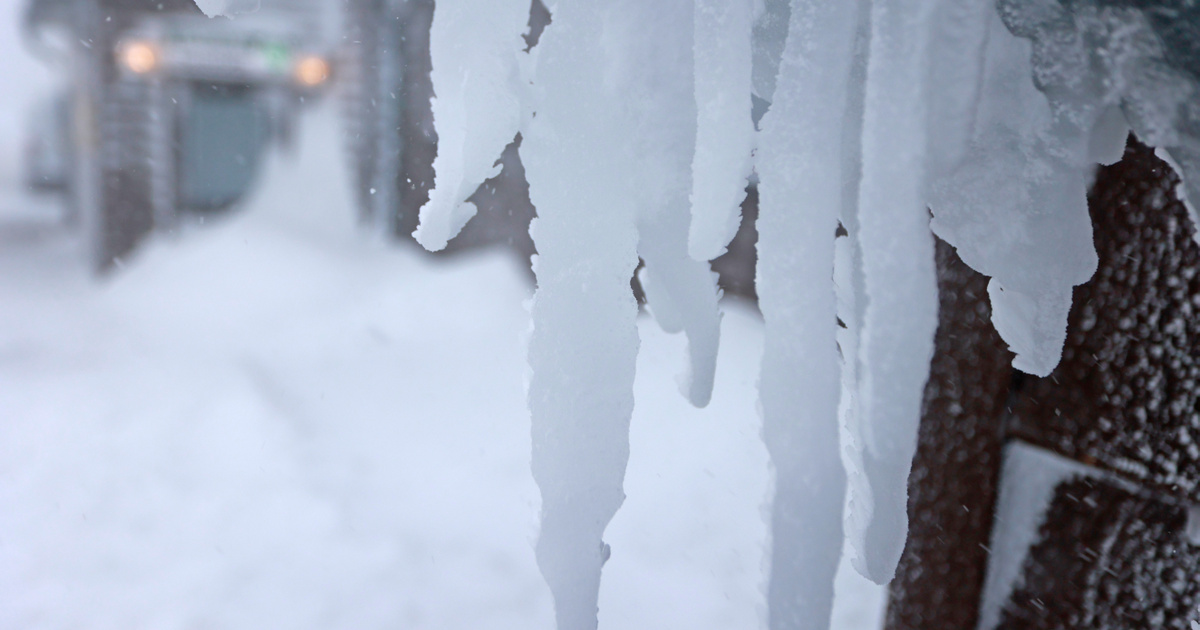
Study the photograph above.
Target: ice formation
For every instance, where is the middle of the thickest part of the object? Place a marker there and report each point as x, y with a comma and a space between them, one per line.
654, 69
725, 133
800, 198
1015, 206
900, 286
478, 105
980, 120
584, 343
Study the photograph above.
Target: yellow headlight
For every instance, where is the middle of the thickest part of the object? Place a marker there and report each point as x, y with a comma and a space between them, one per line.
312, 71
139, 57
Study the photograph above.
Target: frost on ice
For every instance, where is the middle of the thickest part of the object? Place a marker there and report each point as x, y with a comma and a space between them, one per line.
477, 109
584, 343
980, 120
800, 200
900, 316
725, 133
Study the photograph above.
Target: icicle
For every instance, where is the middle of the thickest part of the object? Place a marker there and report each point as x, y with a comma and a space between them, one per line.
1106, 144
1016, 207
474, 47
900, 281
655, 68
800, 167
768, 38
609, 150
682, 294
955, 77
725, 134
848, 281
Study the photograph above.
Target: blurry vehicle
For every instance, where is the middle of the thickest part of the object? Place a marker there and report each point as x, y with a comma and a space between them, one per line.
171, 112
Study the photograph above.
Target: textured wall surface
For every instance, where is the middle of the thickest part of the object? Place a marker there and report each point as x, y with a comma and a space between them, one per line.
1125, 400
953, 483
1126, 396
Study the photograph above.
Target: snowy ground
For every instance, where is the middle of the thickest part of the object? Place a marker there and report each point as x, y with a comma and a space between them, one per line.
276, 422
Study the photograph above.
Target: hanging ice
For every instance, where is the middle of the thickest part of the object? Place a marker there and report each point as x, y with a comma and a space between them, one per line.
725, 133
800, 168
1143, 59
768, 37
1016, 206
848, 281
959, 34
654, 66
900, 284
476, 50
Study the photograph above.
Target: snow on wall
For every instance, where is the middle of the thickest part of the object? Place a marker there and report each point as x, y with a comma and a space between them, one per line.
1027, 485
988, 114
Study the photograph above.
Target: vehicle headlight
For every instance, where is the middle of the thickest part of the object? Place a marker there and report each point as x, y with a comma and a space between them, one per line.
138, 56
312, 71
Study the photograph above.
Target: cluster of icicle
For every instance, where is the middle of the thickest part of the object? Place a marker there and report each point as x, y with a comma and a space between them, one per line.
639, 142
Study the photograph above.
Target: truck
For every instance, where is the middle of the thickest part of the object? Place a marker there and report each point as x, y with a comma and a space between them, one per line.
169, 113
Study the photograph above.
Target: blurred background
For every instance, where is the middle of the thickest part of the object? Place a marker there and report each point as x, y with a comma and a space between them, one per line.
233, 391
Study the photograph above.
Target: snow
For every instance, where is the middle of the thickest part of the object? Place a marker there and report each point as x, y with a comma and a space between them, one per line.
275, 421
800, 197
1029, 476
478, 105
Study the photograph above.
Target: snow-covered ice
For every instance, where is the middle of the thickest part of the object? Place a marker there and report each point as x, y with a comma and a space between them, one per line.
900, 316
800, 201
725, 131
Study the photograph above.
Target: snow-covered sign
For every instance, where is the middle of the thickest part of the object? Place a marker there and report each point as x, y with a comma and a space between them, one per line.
638, 140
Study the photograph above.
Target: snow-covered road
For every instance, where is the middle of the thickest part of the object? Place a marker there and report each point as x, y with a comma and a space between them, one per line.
275, 421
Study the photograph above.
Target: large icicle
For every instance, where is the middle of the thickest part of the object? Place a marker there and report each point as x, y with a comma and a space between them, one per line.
583, 348
725, 133
655, 68
475, 49
849, 285
900, 281
1016, 206
800, 167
